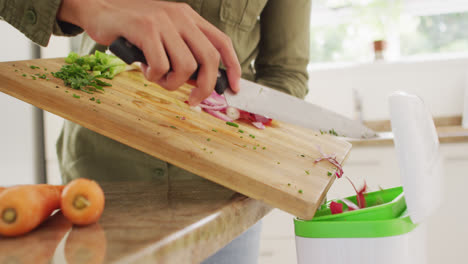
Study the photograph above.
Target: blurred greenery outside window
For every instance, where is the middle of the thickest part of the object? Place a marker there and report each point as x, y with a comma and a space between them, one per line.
342, 31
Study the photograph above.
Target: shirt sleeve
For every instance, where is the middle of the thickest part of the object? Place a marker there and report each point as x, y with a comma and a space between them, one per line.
36, 19
284, 46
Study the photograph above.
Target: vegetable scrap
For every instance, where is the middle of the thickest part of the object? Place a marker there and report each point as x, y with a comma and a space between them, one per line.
336, 208
332, 159
216, 106
361, 200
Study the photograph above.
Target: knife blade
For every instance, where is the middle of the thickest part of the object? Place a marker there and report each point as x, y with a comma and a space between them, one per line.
259, 99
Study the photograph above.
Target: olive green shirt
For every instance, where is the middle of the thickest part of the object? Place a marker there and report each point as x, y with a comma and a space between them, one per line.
271, 40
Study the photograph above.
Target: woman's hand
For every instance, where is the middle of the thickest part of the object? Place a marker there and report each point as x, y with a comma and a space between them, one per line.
171, 35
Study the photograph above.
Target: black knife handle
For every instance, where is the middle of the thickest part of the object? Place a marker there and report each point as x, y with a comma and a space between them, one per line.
130, 53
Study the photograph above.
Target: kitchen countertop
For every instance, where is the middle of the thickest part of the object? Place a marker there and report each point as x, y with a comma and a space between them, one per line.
449, 130
170, 221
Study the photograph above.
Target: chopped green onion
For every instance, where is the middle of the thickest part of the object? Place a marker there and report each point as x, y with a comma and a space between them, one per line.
232, 124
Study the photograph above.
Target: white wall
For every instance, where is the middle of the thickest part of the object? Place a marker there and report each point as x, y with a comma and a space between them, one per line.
439, 82
17, 133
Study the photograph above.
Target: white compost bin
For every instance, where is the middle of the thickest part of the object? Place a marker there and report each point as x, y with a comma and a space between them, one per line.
391, 229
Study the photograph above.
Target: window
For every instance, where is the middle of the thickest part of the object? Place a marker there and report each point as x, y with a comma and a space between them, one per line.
344, 30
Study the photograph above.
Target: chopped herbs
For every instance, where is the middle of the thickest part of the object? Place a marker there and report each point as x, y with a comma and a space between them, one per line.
33, 77
119, 104
307, 172
208, 139
252, 136
98, 101
232, 124
329, 173
333, 132
34, 67
264, 148
302, 155
254, 147
24, 75
16, 70
45, 69
78, 78
300, 191
241, 131
76, 74
146, 85
173, 127
214, 130
76, 96
92, 99
56, 86
278, 162
289, 184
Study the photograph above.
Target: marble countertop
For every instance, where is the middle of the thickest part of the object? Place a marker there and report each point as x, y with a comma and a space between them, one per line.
172, 221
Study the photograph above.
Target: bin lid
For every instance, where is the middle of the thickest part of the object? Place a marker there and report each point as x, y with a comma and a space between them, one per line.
417, 148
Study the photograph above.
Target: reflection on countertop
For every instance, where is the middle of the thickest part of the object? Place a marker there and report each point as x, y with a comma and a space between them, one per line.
176, 221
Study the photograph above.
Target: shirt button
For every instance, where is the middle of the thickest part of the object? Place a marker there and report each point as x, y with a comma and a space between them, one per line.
30, 16
159, 172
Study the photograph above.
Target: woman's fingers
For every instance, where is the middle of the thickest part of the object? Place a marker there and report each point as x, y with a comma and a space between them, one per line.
225, 48
156, 57
183, 63
208, 59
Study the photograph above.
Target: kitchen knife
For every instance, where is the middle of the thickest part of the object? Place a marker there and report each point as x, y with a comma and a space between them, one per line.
258, 99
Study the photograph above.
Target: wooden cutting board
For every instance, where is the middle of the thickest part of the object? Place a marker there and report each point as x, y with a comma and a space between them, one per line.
275, 165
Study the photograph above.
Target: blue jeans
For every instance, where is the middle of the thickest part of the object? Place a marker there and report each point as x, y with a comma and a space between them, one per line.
242, 250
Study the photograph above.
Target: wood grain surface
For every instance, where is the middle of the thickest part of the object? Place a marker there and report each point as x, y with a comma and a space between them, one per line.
275, 165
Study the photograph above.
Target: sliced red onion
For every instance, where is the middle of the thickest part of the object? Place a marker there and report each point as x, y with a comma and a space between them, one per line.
258, 125
219, 114
196, 108
332, 159
351, 206
232, 112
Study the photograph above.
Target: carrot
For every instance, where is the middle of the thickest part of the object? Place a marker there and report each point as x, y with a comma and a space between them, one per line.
82, 201
23, 208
